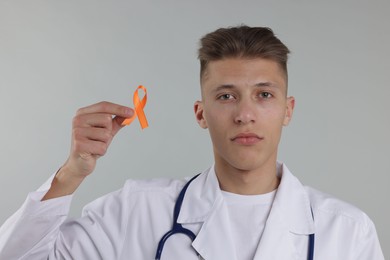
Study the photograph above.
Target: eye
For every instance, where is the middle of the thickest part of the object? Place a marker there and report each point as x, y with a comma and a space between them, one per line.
225, 97
265, 95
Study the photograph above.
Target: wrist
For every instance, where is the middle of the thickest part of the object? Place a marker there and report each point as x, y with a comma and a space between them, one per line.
64, 183
65, 176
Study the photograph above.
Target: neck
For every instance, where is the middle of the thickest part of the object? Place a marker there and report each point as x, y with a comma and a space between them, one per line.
247, 182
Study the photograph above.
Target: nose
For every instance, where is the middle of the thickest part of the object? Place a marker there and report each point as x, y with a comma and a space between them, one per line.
245, 113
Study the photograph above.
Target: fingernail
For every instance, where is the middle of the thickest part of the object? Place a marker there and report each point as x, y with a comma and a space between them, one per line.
128, 111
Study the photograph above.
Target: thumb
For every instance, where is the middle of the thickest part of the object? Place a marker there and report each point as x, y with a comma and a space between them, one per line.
117, 124
118, 120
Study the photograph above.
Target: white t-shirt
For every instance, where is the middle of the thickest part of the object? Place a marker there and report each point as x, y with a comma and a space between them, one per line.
248, 215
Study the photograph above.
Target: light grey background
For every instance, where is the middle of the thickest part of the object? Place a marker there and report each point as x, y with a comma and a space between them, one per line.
57, 56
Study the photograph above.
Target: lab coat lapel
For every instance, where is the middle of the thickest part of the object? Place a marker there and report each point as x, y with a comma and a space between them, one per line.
206, 212
276, 241
214, 240
204, 205
290, 216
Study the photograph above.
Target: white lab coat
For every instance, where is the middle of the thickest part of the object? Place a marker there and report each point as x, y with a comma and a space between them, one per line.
128, 224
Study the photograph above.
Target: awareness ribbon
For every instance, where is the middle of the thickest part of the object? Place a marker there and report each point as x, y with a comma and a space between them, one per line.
139, 109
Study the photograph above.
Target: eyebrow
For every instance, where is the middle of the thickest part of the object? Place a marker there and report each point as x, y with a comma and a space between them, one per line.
265, 84
232, 86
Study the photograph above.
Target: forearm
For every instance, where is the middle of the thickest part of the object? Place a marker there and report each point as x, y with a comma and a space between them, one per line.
64, 183
34, 228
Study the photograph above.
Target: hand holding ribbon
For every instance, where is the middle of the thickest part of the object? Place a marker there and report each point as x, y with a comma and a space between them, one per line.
139, 109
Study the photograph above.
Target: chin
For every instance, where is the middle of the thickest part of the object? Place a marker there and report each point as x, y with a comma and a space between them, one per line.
251, 162
246, 166
245, 160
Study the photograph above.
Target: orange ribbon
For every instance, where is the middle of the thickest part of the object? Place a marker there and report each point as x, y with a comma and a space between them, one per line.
139, 109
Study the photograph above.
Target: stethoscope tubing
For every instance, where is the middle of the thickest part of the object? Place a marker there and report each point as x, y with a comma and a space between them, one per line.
176, 227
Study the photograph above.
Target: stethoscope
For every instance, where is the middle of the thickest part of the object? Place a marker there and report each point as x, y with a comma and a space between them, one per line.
179, 229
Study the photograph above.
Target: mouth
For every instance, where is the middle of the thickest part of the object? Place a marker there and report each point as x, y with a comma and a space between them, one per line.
246, 139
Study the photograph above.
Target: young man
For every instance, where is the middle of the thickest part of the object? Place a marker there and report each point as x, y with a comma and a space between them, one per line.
246, 206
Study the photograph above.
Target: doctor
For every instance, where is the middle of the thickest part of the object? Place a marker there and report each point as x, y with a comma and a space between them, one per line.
245, 206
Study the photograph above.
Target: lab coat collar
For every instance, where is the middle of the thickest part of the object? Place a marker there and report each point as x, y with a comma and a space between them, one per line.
200, 197
292, 203
204, 204
290, 216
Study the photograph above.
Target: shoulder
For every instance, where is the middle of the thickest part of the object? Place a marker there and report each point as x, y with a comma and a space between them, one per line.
327, 208
342, 228
159, 185
138, 192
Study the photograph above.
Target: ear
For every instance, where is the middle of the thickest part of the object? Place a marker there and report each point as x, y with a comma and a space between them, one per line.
198, 109
290, 104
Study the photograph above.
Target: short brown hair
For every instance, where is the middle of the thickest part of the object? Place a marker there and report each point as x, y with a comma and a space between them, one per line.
242, 42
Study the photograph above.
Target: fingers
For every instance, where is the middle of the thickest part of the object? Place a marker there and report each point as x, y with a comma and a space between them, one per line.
94, 124
91, 141
93, 120
107, 108
100, 115
93, 129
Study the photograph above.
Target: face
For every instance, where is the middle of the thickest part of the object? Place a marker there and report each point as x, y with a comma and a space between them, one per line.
244, 106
